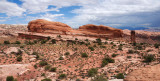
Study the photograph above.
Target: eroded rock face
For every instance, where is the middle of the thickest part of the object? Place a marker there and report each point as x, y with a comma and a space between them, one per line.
44, 26
91, 29
149, 73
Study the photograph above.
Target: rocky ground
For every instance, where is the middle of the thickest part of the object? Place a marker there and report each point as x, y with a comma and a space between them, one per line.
77, 58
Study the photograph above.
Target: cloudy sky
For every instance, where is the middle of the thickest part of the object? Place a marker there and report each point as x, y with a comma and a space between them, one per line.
114, 13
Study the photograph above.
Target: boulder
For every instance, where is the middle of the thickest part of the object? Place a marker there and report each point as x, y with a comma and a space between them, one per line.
101, 30
44, 26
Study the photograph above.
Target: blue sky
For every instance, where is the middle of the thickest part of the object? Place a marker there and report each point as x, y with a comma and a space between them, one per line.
125, 14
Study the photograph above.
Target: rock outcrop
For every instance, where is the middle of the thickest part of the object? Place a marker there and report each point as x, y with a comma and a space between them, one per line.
44, 26
149, 73
133, 36
101, 30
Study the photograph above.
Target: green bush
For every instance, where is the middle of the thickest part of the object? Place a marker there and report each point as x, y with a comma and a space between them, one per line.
84, 55
120, 47
92, 72
62, 76
10, 78
130, 51
46, 79
107, 60
6, 42
91, 48
19, 52
53, 69
47, 67
114, 55
48, 38
76, 39
149, 58
43, 63
43, 41
61, 58
67, 53
17, 42
102, 46
120, 76
99, 78
53, 41
156, 45
19, 58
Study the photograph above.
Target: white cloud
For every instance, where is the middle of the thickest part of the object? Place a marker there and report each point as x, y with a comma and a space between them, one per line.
50, 17
37, 6
11, 9
113, 11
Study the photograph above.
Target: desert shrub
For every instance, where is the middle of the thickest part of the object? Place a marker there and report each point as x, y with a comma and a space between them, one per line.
81, 42
114, 55
53, 41
47, 67
120, 76
67, 53
86, 40
19, 58
48, 38
149, 58
102, 46
61, 76
130, 51
6, 42
76, 39
139, 47
35, 66
104, 62
34, 53
107, 60
17, 42
43, 63
92, 72
112, 43
10, 78
129, 57
99, 78
91, 48
106, 42
46, 79
53, 69
61, 58
59, 36
19, 52
43, 41
78, 80
156, 45
35, 41
120, 47
84, 55
99, 41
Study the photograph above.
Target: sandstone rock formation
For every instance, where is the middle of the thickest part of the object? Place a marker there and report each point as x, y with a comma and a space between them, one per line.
149, 73
101, 30
44, 26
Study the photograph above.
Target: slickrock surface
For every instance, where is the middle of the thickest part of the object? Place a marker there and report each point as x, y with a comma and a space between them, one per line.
149, 73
